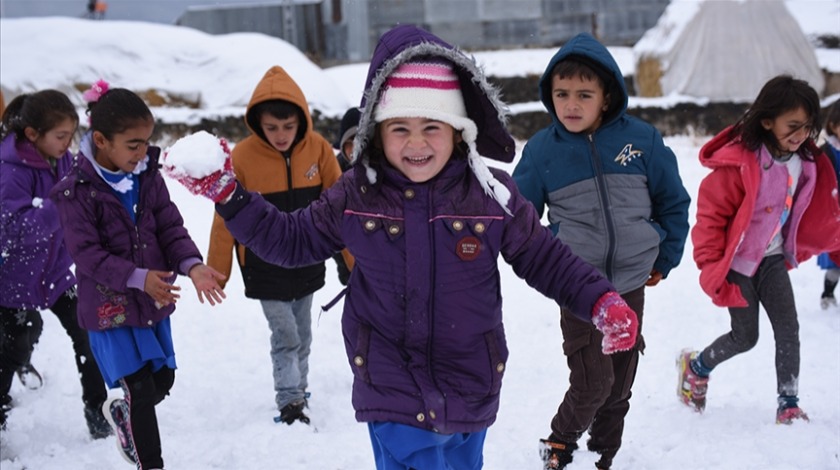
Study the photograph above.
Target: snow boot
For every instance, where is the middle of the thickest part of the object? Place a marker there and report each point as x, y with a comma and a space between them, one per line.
30, 377
789, 410
556, 455
691, 388
98, 426
293, 412
117, 414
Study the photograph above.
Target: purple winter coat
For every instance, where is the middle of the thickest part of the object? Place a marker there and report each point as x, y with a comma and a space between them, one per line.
107, 246
35, 265
422, 318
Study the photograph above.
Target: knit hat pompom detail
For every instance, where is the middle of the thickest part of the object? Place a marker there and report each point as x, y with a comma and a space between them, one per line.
425, 89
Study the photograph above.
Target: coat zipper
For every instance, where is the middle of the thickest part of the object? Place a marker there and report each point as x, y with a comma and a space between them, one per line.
609, 224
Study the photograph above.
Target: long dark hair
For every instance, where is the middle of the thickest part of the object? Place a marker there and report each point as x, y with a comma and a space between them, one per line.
42, 111
781, 94
116, 111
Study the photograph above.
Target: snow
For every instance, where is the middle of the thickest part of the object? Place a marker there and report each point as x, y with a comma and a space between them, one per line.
219, 414
196, 155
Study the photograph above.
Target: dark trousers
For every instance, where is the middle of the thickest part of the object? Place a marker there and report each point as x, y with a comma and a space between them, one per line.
598, 397
770, 286
143, 390
21, 329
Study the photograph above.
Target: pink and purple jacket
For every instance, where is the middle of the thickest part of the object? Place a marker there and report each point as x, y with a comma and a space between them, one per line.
739, 205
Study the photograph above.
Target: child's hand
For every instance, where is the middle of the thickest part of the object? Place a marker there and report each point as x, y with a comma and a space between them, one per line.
160, 289
206, 281
617, 321
655, 277
201, 162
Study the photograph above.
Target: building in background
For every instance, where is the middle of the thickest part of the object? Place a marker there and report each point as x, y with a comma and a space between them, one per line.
333, 31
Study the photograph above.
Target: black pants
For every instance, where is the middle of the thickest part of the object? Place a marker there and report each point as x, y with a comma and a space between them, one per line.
20, 330
143, 390
770, 287
599, 393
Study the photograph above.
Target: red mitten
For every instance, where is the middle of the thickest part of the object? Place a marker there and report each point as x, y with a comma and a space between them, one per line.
617, 321
201, 162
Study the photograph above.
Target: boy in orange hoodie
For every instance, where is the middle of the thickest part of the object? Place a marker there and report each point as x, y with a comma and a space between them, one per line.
290, 164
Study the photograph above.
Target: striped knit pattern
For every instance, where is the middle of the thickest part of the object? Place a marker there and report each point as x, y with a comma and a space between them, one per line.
424, 90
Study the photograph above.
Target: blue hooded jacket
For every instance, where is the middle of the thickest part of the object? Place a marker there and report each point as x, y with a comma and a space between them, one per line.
615, 196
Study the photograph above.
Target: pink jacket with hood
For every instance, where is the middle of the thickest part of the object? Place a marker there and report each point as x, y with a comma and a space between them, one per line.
739, 203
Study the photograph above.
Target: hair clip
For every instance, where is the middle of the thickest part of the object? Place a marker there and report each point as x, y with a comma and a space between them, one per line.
99, 88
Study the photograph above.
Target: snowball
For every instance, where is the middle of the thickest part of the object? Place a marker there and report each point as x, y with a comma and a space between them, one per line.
196, 155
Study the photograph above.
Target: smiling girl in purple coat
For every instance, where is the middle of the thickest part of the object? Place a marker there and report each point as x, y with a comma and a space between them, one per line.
128, 240
426, 220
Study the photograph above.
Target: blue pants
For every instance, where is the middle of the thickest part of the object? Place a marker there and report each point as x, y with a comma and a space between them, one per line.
291, 338
401, 447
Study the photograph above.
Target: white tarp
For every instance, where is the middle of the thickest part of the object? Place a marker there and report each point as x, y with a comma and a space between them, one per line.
726, 50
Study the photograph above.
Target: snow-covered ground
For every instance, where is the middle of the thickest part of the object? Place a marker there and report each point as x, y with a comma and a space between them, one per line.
219, 415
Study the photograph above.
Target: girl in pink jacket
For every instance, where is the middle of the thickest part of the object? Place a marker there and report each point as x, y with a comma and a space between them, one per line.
767, 205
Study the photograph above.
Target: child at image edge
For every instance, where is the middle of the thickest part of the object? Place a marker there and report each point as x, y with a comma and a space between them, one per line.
35, 274
615, 197
769, 204
289, 164
832, 149
126, 238
426, 220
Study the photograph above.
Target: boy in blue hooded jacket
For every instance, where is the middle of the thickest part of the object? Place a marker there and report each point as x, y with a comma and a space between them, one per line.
614, 195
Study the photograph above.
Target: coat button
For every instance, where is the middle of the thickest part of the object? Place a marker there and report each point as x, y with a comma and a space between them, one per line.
432, 414
769, 209
370, 225
500, 367
363, 189
479, 227
93, 194
409, 194
149, 323
66, 192
394, 229
359, 361
458, 225
421, 417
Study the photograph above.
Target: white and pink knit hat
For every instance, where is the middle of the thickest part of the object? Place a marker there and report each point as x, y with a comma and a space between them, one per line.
426, 89
429, 88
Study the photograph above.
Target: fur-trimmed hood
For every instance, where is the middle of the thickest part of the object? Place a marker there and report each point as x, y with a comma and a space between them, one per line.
482, 100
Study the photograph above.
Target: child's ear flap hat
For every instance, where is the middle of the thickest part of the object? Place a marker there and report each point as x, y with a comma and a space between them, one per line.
414, 73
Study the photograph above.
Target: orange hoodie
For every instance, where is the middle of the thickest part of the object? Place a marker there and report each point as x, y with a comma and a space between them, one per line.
289, 181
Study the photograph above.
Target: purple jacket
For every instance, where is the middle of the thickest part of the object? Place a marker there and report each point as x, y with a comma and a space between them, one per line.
423, 313
34, 263
108, 247
422, 316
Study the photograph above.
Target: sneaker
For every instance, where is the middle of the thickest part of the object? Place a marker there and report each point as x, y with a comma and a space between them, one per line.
97, 424
691, 388
116, 412
827, 301
29, 377
788, 415
556, 455
293, 412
